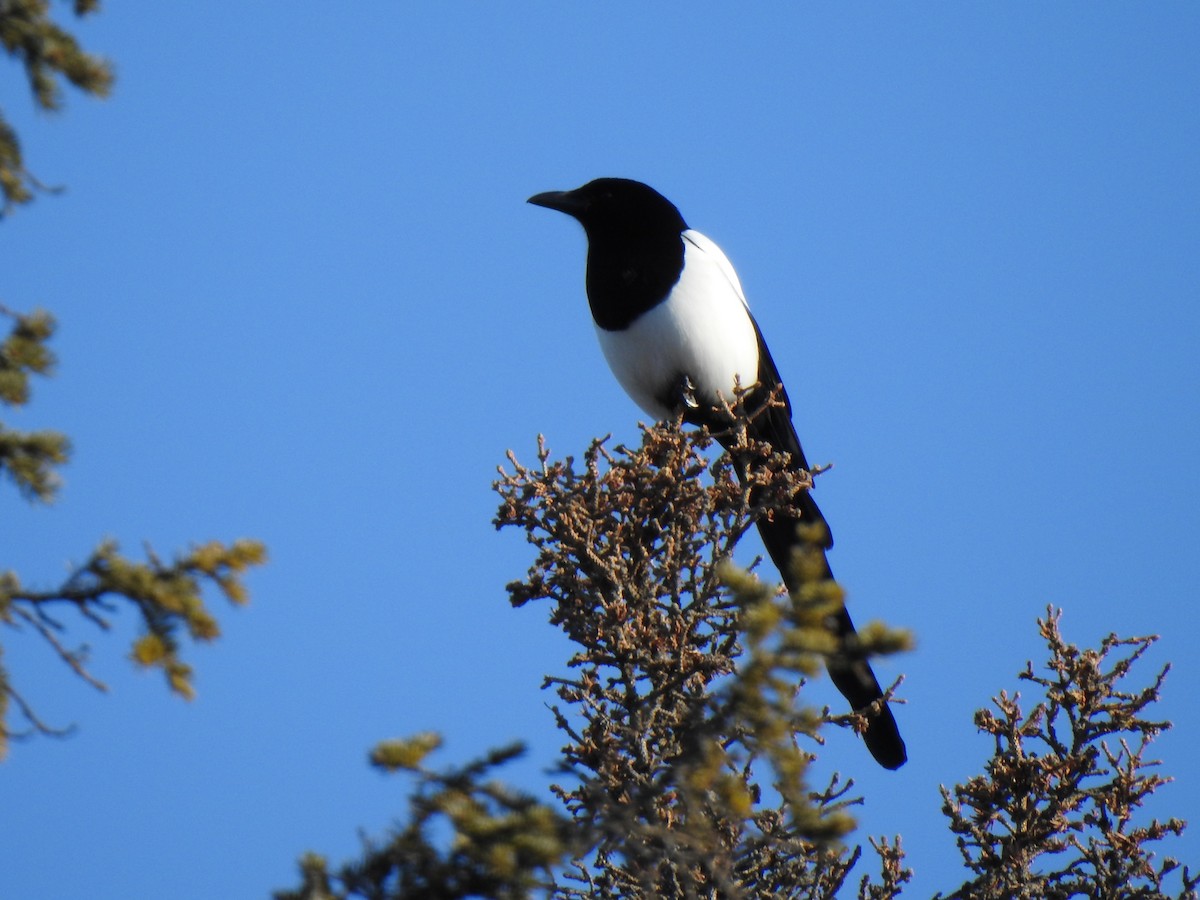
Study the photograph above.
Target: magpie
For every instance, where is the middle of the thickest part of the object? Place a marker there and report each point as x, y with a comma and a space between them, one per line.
677, 332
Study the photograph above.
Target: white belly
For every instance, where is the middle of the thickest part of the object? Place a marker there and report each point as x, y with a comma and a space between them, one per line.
702, 330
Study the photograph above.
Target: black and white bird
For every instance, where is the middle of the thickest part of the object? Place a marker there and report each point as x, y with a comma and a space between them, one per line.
676, 330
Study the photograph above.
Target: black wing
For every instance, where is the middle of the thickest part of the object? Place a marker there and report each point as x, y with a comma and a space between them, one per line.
775, 426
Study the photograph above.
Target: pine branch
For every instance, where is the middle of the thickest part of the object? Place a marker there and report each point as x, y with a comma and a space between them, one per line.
169, 598
683, 710
49, 54
1057, 813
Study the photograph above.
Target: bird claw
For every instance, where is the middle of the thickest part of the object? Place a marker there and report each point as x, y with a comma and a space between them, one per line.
687, 393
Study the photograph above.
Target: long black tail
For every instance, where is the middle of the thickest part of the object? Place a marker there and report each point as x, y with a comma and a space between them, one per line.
851, 675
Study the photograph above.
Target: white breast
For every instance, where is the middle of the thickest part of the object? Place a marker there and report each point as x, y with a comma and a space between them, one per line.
702, 330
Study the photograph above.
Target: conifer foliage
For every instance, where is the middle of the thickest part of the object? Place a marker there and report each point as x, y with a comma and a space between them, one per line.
167, 597
687, 739
49, 55
1057, 812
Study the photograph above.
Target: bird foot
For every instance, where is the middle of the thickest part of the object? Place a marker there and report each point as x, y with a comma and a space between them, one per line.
685, 391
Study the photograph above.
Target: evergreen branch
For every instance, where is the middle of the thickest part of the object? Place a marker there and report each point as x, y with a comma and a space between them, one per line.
49, 55
1057, 813
168, 597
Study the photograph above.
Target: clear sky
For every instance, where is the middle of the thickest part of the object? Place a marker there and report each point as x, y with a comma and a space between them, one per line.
302, 299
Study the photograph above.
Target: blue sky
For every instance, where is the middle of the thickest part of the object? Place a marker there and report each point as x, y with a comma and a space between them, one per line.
302, 299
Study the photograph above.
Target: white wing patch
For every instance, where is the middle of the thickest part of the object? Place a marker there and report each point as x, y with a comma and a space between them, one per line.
702, 330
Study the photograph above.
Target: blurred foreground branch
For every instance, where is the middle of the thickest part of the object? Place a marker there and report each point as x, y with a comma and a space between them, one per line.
167, 596
49, 54
503, 843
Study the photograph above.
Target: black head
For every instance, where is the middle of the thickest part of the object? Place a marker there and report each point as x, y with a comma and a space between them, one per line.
635, 248
608, 207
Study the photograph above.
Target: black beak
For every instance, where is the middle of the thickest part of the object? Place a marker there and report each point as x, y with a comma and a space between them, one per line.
568, 202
